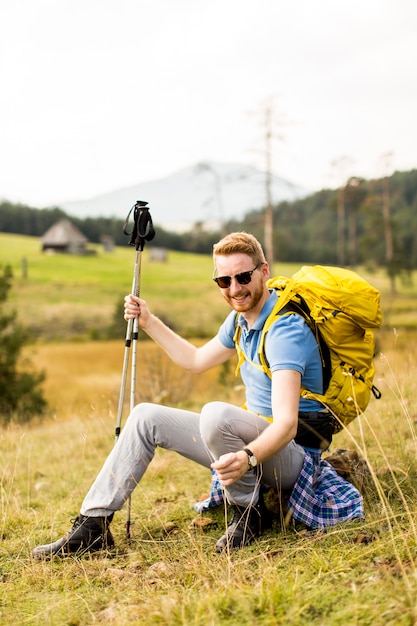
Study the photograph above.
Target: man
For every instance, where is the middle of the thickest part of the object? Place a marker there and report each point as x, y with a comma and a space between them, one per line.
245, 446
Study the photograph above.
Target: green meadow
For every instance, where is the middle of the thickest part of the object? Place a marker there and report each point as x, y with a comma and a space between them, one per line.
362, 573
68, 297
64, 297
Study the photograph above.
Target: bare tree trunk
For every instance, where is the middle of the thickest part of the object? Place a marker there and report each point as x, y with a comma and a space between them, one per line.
206, 167
342, 165
352, 205
352, 237
268, 224
389, 239
341, 213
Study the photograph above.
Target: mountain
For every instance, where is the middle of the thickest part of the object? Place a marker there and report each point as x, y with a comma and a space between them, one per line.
207, 192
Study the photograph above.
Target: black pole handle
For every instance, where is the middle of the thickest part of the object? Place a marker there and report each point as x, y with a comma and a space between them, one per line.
143, 229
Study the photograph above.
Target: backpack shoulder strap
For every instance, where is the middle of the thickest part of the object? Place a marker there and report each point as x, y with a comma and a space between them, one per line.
283, 287
289, 308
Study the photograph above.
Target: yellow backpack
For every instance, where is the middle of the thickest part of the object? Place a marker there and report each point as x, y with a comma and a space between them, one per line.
341, 309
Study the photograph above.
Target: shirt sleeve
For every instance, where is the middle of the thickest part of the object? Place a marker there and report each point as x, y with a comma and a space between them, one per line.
290, 344
227, 330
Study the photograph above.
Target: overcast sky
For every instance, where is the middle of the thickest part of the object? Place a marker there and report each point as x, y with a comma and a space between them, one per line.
102, 94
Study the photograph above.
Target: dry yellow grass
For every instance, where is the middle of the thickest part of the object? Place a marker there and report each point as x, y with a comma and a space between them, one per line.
362, 573
89, 374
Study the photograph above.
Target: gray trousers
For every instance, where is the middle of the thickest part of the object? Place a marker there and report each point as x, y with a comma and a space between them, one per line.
201, 437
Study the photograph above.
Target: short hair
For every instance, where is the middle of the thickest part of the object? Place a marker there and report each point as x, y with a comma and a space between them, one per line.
240, 242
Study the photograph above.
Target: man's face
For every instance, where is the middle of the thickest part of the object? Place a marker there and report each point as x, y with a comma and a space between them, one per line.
242, 298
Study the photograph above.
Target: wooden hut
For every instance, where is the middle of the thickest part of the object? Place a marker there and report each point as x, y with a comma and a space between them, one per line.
64, 237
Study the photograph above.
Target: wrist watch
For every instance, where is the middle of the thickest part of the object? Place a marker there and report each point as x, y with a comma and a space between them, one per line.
252, 460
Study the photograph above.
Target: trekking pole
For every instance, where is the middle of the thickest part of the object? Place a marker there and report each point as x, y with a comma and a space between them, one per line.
142, 231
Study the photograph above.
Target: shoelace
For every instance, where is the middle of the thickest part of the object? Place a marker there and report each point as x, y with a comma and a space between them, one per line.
75, 523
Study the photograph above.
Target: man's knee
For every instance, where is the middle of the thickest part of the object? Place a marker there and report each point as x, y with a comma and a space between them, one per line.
214, 417
143, 413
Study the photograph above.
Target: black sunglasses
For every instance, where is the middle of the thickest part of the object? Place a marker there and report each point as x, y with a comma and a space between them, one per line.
243, 278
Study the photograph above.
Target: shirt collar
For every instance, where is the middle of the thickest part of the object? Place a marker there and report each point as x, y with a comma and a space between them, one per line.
263, 315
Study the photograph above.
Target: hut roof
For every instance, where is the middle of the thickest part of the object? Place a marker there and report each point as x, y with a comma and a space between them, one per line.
63, 233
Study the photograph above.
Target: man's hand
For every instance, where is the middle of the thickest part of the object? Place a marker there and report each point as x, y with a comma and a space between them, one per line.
230, 467
136, 307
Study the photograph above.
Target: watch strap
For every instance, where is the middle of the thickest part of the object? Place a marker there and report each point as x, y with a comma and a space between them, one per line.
250, 457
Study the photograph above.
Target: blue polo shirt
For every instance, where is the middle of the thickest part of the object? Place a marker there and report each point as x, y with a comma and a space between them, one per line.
289, 345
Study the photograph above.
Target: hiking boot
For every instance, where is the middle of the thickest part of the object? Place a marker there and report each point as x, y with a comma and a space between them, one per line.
88, 534
247, 524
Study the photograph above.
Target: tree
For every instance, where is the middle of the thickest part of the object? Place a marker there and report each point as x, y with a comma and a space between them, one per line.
355, 193
21, 397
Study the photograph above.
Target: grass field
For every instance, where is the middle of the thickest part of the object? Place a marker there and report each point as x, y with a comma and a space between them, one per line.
68, 297
75, 296
363, 573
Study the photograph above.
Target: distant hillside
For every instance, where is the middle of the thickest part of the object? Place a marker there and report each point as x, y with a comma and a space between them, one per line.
379, 216
206, 192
